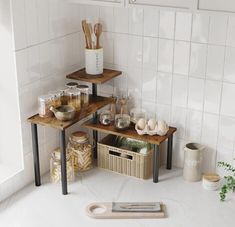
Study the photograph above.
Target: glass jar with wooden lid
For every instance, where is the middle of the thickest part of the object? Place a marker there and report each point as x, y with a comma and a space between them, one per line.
55, 167
84, 89
80, 150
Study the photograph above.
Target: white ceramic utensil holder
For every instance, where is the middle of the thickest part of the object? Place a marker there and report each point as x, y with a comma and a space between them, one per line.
94, 61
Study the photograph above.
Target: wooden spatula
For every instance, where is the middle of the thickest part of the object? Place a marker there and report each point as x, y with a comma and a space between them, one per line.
98, 31
84, 24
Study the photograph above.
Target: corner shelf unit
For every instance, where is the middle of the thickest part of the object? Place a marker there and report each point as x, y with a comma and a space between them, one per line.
95, 103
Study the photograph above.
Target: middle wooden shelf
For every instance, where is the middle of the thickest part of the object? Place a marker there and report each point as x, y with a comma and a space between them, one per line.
130, 133
95, 103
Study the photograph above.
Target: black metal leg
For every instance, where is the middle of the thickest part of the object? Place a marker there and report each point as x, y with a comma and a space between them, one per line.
37, 176
63, 163
156, 163
95, 117
169, 152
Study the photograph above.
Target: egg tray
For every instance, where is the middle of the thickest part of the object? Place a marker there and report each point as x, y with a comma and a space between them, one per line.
151, 127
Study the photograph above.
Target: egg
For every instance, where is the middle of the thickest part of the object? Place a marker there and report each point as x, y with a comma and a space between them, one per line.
162, 128
141, 124
152, 124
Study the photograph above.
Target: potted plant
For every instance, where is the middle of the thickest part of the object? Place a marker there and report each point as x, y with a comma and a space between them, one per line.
229, 184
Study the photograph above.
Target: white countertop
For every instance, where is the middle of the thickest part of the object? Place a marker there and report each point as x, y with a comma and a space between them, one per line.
187, 204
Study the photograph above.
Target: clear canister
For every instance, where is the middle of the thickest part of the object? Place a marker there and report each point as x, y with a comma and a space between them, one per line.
55, 98
55, 167
44, 104
80, 150
74, 98
64, 98
84, 89
71, 85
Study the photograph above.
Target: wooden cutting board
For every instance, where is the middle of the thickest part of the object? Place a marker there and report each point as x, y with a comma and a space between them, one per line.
106, 208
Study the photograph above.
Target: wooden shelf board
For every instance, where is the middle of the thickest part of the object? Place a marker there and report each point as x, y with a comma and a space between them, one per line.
130, 133
95, 103
107, 75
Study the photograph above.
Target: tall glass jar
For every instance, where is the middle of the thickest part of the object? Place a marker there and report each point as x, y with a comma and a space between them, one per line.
55, 98
81, 151
64, 98
74, 98
84, 89
44, 104
55, 167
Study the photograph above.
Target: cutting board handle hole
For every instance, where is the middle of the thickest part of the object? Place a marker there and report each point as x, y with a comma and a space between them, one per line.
97, 209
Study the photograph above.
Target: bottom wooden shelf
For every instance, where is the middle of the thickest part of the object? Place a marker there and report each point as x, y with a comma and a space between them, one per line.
130, 133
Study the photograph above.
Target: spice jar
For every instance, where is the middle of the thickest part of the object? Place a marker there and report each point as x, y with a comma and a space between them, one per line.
80, 150
44, 104
56, 102
74, 98
71, 85
84, 89
64, 98
55, 167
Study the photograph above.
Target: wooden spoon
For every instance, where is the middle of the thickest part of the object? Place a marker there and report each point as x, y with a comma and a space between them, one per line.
84, 24
98, 31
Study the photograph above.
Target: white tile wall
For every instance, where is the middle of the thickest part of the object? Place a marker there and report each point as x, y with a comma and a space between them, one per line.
179, 66
47, 46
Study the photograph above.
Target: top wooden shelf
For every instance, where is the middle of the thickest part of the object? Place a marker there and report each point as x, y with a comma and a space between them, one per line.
107, 75
130, 133
95, 103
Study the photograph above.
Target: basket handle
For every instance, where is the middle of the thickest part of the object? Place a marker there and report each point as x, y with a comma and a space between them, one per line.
121, 155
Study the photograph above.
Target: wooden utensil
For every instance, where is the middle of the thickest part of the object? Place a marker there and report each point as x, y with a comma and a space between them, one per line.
108, 214
84, 31
98, 31
89, 31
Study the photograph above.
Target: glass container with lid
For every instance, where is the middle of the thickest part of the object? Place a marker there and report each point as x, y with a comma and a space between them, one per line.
84, 89
71, 85
74, 98
56, 102
55, 167
80, 150
44, 104
64, 98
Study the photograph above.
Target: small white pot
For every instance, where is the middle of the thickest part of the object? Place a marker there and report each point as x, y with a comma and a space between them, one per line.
94, 61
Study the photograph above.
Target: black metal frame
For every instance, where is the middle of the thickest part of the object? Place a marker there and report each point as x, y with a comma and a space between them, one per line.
156, 156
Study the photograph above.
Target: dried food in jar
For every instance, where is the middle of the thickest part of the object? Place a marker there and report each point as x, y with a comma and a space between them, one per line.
56, 102
81, 151
55, 167
44, 104
74, 98
84, 90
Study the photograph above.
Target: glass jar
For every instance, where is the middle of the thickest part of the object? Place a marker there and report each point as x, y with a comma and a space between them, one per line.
56, 102
80, 150
64, 97
72, 85
74, 98
84, 89
55, 167
44, 104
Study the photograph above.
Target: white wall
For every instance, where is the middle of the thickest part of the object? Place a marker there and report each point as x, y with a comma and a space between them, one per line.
10, 142
46, 48
178, 66
181, 68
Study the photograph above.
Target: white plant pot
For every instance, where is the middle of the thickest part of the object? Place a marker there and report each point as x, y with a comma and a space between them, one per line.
94, 61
